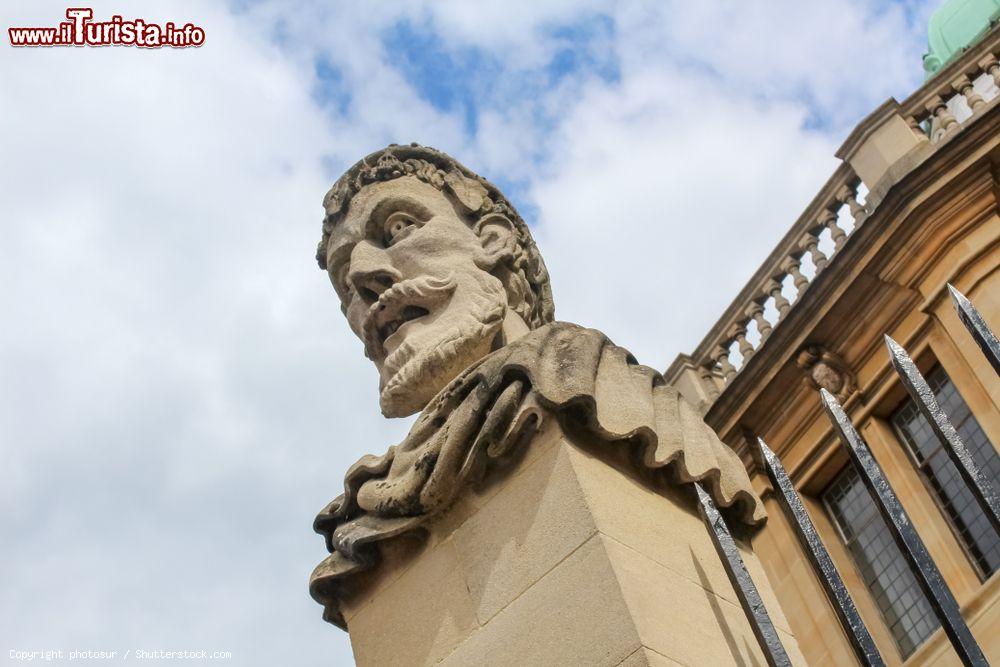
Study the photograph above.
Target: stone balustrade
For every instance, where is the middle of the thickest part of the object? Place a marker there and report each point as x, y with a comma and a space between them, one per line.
957, 92
817, 235
892, 140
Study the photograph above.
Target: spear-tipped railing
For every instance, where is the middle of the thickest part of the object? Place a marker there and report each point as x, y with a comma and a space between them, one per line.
919, 560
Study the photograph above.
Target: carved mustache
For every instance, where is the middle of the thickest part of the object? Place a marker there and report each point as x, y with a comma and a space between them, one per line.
404, 301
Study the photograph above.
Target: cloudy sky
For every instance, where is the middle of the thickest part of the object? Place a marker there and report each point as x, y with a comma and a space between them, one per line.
179, 394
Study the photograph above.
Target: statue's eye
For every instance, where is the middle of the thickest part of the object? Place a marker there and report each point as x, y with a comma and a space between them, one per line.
398, 226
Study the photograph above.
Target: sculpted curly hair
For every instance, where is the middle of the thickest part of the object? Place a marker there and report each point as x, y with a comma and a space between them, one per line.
525, 275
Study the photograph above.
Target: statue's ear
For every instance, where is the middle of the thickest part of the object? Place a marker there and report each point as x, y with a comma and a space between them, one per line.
498, 238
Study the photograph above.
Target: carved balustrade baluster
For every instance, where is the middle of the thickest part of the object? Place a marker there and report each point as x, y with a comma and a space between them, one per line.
914, 123
857, 209
780, 302
990, 67
755, 311
810, 243
722, 358
739, 333
792, 266
849, 195
939, 110
828, 219
964, 86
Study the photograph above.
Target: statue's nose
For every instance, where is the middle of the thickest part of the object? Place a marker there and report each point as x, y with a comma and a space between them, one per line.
371, 271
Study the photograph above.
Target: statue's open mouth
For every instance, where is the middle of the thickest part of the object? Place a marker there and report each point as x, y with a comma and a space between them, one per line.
401, 304
408, 314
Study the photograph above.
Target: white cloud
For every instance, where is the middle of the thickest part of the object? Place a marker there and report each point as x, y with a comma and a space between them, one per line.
662, 200
847, 56
178, 392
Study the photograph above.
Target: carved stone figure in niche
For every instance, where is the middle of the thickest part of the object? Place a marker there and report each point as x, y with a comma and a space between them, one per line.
826, 370
440, 278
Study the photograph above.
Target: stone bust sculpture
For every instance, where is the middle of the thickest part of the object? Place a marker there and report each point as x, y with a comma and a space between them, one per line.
441, 280
433, 269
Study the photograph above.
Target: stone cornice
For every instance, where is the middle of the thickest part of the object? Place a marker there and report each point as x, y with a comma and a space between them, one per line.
883, 150
909, 194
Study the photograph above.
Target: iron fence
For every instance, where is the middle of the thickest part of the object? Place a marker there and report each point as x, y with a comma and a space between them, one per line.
918, 559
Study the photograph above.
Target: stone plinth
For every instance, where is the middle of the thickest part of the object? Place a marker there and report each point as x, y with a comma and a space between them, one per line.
567, 560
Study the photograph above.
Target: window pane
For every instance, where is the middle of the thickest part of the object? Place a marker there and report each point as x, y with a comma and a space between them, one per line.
880, 562
953, 494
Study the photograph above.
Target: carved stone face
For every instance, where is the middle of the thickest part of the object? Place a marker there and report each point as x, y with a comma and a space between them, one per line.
414, 281
827, 377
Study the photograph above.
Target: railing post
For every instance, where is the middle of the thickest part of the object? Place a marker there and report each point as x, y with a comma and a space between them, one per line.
746, 591
861, 640
976, 325
942, 601
920, 391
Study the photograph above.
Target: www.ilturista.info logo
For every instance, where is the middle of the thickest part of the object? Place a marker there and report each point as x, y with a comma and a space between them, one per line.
81, 30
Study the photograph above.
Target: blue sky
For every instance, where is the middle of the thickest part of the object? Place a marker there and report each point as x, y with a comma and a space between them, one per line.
179, 394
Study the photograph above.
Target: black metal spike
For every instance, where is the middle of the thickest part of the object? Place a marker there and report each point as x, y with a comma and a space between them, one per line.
939, 595
974, 322
742, 583
960, 455
861, 640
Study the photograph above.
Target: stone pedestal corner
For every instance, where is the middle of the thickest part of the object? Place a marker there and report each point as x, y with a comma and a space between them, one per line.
567, 560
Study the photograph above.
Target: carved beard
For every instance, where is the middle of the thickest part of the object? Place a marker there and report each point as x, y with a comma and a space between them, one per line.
425, 370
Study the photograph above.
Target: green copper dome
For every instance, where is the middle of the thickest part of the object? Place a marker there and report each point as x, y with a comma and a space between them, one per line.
954, 27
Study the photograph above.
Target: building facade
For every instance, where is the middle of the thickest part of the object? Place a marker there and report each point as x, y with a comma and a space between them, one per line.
913, 206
